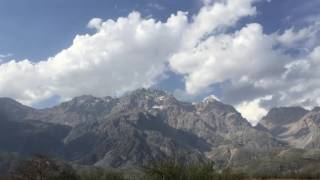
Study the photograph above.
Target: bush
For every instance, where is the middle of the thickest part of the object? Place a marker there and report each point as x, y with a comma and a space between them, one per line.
101, 175
42, 168
165, 170
173, 170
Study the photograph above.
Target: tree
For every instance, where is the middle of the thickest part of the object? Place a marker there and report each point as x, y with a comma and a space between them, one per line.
42, 168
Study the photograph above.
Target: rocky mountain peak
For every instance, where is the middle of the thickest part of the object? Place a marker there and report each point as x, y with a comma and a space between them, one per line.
13, 110
87, 101
7, 100
303, 133
294, 125
83, 100
211, 103
210, 99
148, 124
145, 99
316, 109
147, 92
283, 115
278, 118
10, 103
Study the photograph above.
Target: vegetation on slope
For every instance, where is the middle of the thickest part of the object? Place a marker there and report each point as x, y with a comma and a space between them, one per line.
44, 168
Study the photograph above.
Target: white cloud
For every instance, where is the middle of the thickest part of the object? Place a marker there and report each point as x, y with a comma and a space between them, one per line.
216, 18
252, 109
253, 63
134, 52
305, 38
95, 23
246, 55
122, 55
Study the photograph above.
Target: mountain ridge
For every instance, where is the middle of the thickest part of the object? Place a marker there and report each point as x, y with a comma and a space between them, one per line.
147, 125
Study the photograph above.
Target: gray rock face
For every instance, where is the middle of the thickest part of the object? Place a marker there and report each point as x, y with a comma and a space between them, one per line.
278, 118
12, 110
298, 127
304, 133
147, 125
131, 139
31, 137
78, 110
24, 136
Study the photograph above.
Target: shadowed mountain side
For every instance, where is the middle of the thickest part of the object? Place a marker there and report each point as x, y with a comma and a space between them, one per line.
277, 118
13, 111
295, 126
133, 138
32, 137
147, 125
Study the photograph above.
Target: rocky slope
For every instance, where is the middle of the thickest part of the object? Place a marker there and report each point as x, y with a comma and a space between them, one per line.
12, 110
32, 137
278, 118
215, 122
131, 139
146, 125
297, 127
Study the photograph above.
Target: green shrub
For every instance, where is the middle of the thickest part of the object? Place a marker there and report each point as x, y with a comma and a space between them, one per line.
42, 168
173, 170
165, 170
101, 175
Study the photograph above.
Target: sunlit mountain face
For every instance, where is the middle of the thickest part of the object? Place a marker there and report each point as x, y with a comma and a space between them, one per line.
119, 84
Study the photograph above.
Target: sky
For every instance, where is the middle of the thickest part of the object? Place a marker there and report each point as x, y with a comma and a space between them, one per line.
252, 54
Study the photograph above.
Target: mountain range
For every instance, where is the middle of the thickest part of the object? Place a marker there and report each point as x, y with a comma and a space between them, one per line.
148, 124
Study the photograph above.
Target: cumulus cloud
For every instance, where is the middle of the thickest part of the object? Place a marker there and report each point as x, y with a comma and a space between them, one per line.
246, 55
254, 65
253, 109
305, 38
254, 70
95, 23
215, 18
122, 55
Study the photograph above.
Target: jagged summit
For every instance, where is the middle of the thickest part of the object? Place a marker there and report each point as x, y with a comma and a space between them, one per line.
8, 102
288, 111
13, 110
87, 97
278, 119
316, 109
211, 103
282, 115
150, 124
211, 98
147, 92
296, 126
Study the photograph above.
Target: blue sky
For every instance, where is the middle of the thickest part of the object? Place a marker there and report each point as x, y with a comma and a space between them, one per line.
37, 29
66, 56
